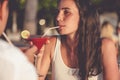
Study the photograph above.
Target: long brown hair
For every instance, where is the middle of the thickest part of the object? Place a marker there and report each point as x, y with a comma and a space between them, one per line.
89, 42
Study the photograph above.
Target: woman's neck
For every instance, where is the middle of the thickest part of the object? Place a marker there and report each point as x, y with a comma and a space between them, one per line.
69, 45
70, 42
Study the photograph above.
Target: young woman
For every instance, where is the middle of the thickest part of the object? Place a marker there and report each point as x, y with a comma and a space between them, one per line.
78, 53
14, 64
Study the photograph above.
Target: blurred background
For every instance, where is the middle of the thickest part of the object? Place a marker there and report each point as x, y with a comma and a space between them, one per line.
38, 15
33, 15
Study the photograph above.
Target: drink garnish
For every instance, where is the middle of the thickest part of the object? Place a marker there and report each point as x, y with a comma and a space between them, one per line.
25, 34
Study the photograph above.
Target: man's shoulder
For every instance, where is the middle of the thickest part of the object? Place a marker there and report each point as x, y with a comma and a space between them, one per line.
9, 51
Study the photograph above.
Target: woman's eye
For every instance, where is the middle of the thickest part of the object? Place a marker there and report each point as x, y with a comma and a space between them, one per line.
66, 12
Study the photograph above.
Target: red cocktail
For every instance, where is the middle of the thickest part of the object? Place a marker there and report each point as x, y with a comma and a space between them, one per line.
38, 41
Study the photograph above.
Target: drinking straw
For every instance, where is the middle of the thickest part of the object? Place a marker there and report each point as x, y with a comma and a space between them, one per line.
8, 40
49, 30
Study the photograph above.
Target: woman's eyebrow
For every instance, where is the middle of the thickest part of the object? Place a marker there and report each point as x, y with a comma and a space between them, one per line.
66, 8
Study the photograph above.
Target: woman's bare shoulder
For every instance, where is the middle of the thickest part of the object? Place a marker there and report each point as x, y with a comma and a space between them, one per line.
107, 42
52, 40
108, 46
51, 44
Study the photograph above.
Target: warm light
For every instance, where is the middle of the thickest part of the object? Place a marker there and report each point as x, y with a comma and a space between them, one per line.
42, 21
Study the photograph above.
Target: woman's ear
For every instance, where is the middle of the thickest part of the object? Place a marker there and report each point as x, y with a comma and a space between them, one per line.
4, 9
3, 15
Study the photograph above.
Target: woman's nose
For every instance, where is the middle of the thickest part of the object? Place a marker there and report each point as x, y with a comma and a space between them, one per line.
59, 17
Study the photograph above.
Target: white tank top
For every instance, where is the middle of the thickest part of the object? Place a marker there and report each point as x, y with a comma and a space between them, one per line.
60, 71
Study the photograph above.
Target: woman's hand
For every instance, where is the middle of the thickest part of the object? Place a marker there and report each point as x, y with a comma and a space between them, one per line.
40, 54
33, 53
30, 53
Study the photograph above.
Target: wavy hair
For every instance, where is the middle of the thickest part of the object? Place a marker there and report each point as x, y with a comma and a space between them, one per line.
89, 42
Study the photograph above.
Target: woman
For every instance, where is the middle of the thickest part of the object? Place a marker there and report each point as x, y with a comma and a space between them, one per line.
78, 53
14, 64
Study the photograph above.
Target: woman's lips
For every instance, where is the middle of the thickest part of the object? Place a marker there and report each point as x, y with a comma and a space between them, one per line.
61, 27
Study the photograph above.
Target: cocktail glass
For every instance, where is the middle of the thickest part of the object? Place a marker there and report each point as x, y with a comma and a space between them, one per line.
38, 41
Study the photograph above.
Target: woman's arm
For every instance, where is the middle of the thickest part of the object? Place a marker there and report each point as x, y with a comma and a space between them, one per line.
109, 60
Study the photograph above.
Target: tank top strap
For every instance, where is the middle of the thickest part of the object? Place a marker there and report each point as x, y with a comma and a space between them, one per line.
57, 47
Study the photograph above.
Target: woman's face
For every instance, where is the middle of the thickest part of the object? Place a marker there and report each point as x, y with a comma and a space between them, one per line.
3, 15
68, 17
